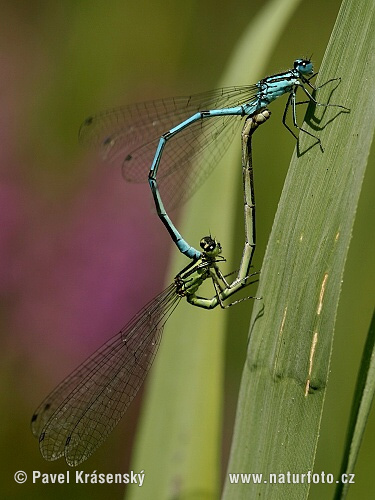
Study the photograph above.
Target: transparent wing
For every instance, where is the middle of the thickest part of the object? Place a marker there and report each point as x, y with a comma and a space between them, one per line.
129, 136
181, 171
84, 408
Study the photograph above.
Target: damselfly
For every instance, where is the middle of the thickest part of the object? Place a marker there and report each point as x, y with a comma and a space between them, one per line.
81, 412
136, 135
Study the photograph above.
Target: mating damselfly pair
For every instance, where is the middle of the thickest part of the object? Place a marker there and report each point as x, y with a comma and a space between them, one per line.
80, 413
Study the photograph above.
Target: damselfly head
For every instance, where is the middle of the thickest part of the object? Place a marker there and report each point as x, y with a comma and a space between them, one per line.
303, 66
210, 246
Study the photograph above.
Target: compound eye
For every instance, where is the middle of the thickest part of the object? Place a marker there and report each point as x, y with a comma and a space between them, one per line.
303, 66
208, 244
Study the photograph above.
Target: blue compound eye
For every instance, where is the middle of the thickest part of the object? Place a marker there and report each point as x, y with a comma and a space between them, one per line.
303, 66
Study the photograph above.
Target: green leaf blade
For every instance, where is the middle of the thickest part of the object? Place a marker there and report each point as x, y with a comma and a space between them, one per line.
284, 380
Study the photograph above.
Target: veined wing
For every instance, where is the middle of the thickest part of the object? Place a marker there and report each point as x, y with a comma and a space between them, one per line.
129, 135
84, 408
191, 156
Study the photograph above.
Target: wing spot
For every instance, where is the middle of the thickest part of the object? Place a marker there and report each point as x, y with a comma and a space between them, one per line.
89, 121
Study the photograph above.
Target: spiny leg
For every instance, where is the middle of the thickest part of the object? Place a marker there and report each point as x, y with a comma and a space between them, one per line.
294, 115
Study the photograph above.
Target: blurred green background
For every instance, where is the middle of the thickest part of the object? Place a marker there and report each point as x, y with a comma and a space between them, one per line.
76, 263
